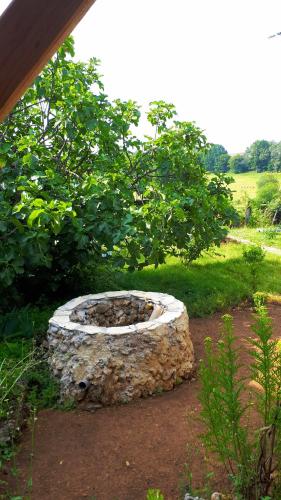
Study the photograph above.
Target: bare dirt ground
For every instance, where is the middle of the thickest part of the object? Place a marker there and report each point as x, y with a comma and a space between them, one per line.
118, 453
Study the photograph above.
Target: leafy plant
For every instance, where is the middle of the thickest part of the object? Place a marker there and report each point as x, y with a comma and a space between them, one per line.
24, 323
77, 186
266, 193
251, 458
254, 256
222, 406
153, 494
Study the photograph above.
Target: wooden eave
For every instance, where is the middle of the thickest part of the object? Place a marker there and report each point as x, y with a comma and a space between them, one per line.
30, 33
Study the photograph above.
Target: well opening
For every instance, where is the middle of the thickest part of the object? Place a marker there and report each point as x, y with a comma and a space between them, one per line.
113, 312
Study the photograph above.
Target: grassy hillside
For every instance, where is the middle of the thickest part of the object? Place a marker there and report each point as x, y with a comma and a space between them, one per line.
246, 184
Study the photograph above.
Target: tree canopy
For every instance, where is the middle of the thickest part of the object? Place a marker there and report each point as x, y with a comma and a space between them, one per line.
76, 184
258, 155
216, 158
261, 156
238, 164
275, 157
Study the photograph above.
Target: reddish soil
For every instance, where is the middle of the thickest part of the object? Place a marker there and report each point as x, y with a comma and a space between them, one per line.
118, 453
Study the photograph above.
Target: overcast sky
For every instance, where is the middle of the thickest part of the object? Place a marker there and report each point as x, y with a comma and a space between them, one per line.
211, 58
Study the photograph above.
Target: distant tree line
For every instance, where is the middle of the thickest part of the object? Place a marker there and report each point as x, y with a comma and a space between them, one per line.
261, 156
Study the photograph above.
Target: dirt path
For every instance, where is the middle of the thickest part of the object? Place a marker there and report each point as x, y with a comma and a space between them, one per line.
275, 251
118, 453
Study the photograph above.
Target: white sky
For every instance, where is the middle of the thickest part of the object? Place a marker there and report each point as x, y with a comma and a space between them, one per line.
211, 58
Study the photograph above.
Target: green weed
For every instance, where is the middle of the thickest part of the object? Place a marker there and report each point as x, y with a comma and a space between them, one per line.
43, 388
24, 323
254, 256
153, 494
252, 458
12, 380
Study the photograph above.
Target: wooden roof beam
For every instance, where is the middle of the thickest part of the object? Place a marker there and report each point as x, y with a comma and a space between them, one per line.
30, 33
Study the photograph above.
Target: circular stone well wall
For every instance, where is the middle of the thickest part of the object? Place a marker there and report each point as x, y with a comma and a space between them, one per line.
117, 346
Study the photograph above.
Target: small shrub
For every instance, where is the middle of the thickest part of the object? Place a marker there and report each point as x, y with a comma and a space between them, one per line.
254, 256
267, 193
267, 179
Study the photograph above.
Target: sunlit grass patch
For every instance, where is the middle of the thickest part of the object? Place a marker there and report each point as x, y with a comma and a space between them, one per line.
213, 282
267, 237
247, 183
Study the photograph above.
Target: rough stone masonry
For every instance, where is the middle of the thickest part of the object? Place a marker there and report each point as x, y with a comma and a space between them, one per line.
117, 346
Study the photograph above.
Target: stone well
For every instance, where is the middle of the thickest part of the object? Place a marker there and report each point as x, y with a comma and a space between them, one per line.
117, 346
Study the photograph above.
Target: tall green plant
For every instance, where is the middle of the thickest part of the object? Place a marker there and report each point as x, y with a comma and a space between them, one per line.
266, 362
254, 256
251, 458
266, 374
12, 372
222, 407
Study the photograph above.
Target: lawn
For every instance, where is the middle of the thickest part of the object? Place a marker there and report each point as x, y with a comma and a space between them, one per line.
217, 280
267, 237
212, 283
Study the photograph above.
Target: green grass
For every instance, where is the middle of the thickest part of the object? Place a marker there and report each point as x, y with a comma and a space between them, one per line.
247, 184
23, 374
212, 283
27, 322
268, 237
